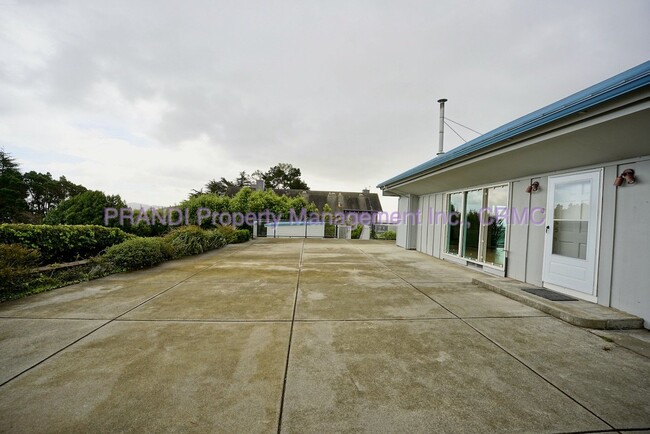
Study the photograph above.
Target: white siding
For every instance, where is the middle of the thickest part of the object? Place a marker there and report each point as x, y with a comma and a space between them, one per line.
536, 234
429, 224
439, 206
630, 270
420, 237
518, 234
607, 226
402, 208
424, 234
411, 223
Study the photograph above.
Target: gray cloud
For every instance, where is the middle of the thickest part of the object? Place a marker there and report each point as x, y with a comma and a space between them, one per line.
344, 90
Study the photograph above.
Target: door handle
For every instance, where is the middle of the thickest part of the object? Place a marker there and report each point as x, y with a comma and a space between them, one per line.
547, 228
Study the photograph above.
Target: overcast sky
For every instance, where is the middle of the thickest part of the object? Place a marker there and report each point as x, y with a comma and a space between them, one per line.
151, 99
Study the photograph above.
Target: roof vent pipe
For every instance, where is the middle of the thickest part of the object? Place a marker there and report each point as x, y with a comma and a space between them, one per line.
442, 126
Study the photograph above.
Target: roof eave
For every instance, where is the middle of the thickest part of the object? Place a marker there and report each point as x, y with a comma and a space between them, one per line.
590, 97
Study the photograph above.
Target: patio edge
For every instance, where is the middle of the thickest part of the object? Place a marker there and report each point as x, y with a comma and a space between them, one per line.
578, 313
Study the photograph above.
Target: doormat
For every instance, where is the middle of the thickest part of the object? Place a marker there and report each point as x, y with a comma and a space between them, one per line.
549, 295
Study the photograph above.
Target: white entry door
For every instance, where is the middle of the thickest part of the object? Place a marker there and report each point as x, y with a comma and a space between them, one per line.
572, 233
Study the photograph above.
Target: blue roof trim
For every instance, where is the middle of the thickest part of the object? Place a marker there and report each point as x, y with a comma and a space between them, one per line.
613, 87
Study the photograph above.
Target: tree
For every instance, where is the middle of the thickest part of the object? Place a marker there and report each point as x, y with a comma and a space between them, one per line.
45, 193
13, 192
283, 176
243, 180
86, 208
68, 189
41, 191
218, 187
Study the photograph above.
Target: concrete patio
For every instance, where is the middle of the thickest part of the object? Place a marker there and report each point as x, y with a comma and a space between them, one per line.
304, 336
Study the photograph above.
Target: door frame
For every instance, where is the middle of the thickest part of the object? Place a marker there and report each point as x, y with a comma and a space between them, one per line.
593, 296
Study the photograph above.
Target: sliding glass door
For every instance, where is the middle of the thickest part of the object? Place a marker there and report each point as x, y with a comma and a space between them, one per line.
477, 225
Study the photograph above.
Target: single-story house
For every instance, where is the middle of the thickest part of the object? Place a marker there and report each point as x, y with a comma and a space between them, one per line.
559, 198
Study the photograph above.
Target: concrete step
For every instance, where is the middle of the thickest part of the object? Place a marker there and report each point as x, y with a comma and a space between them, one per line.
579, 313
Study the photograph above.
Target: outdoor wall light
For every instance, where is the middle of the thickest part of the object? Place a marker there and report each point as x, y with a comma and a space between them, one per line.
532, 187
627, 175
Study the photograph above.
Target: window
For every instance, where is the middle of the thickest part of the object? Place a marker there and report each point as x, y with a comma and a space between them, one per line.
571, 219
454, 217
477, 224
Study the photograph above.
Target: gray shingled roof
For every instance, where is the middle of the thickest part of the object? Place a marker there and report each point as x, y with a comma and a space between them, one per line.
339, 201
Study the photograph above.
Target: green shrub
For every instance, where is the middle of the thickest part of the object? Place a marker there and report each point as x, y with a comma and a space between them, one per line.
148, 226
241, 236
215, 240
388, 235
188, 240
56, 278
16, 262
330, 230
234, 236
62, 243
138, 253
356, 232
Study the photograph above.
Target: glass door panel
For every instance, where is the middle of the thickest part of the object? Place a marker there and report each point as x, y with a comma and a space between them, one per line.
471, 235
454, 217
495, 224
571, 219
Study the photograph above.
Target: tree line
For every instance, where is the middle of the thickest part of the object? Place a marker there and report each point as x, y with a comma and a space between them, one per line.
37, 198
28, 197
281, 176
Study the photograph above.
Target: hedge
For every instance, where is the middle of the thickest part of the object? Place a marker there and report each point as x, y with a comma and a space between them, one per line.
62, 243
138, 253
192, 240
234, 236
16, 262
388, 235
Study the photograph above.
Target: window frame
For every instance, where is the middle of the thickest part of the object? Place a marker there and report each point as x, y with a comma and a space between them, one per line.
483, 232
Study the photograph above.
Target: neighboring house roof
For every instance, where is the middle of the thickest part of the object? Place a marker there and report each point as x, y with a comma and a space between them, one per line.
339, 201
611, 88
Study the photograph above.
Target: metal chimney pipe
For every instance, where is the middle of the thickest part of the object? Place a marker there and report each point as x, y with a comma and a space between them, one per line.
441, 142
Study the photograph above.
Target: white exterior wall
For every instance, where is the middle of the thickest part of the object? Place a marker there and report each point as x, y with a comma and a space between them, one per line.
525, 250
623, 274
438, 227
517, 248
316, 230
407, 230
412, 221
624, 251
536, 235
630, 275
402, 209
426, 230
